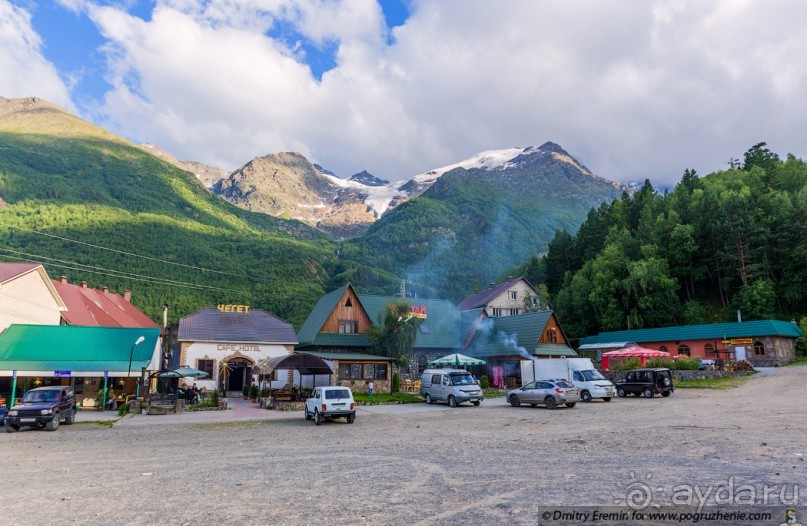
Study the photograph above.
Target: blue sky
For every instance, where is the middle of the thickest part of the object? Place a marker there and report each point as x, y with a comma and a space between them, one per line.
633, 89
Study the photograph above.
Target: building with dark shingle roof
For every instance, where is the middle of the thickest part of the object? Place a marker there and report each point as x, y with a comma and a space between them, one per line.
763, 343
227, 345
511, 298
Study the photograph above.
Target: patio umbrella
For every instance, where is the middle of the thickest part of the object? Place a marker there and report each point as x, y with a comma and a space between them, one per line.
457, 359
182, 372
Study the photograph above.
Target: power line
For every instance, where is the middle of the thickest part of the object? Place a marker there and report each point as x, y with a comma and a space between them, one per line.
114, 273
128, 253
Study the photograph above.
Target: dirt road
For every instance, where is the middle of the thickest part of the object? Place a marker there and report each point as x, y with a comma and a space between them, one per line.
488, 465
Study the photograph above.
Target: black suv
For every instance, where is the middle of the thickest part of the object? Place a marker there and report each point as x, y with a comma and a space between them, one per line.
646, 382
43, 406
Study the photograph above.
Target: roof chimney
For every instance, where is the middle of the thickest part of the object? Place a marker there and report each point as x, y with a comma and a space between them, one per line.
127, 295
105, 289
63, 279
83, 284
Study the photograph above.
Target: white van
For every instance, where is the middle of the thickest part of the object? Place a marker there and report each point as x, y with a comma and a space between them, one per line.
580, 371
453, 386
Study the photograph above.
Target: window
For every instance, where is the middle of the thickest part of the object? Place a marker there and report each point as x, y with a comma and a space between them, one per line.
759, 348
369, 370
381, 371
350, 371
355, 370
513, 295
497, 312
348, 303
513, 312
207, 366
709, 348
348, 327
683, 350
663, 348
552, 334
577, 376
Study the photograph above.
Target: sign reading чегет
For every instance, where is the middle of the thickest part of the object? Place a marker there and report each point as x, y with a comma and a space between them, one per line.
241, 309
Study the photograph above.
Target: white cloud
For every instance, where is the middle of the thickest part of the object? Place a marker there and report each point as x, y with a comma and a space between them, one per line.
632, 88
24, 71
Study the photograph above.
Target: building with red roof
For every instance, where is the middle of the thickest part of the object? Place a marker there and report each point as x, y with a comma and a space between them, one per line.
99, 308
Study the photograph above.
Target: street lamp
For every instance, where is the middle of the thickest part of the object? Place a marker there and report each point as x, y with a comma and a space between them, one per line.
131, 352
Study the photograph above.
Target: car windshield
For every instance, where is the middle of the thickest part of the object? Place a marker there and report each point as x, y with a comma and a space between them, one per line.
564, 384
592, 375
41, 396
335, 394
462, 379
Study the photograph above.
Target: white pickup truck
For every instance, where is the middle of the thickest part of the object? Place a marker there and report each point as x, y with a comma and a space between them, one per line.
579, 371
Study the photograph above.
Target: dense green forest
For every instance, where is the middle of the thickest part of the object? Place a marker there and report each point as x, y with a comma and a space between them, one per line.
734, 239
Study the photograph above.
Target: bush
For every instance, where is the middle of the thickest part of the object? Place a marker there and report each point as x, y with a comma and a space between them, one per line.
396, 383
626, 365
214, 397
123, 409
245, 390
660, 362
484, 382
253, 392
687, 364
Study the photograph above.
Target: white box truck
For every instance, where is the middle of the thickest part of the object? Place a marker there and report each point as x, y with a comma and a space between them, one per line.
580, 371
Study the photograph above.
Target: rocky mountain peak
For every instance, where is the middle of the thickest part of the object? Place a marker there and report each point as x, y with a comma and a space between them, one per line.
366, 178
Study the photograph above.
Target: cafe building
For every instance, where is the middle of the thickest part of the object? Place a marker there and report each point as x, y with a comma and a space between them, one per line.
764, 343
228, 342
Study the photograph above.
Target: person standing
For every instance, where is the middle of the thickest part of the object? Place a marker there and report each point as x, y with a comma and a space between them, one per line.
370, 388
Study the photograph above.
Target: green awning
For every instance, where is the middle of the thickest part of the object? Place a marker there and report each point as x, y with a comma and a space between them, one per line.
52, 350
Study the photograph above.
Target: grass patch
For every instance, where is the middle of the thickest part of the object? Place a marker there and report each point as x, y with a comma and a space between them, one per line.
245, 423
494, 393
387, 398
107, 423
800, 361
207, 404
725, 382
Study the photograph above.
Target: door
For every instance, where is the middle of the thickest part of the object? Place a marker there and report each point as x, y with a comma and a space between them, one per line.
445, 388
528, 394
740, 352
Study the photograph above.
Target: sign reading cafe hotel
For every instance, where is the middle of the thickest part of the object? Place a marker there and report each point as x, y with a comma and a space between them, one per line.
237, 347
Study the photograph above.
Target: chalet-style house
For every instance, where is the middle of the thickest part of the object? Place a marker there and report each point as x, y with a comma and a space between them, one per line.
27, 295
511, 298
339, 322
764, 343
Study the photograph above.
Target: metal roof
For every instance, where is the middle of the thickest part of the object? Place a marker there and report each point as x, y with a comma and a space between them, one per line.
10, 269
92, 307
212, 325
50, 348
712, 331
482, 298
553, 349
606, 345
515, 335
309, 332
440, 330
348, 356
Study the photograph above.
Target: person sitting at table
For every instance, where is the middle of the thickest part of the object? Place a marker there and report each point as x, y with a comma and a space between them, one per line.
203, 393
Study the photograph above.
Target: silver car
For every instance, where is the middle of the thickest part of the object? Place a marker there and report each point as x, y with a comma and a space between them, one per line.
550, 393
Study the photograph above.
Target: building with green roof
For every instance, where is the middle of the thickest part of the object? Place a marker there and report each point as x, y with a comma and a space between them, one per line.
764, 343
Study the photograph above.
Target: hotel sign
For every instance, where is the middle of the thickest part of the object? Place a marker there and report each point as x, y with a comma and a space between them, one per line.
233, 348
241, 309
418, 312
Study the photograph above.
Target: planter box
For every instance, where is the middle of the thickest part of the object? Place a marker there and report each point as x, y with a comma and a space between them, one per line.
222, 404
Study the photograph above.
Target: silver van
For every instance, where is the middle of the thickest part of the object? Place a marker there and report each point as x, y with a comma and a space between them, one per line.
453, 386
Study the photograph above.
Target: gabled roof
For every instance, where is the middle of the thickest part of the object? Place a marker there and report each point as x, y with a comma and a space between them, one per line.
514, 335
440, 330
71, 348
711, 331
92, 307
319, 315
482, 298
10, 270
212, 325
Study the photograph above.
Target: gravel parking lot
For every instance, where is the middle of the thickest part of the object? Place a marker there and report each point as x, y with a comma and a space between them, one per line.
488, 465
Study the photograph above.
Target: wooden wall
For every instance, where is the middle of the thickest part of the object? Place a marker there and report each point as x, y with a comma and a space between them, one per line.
355, 313
27, 299
545, 335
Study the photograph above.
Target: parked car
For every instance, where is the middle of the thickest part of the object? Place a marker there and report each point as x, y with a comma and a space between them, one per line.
330, 402
453, 386
550, 393
43, 407
646, 382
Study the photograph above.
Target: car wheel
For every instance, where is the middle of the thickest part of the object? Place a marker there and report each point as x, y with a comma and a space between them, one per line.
12, 428
477, 403
665, 394
648, 392
514, 401
572, 404
452, 401
550, 403
428, 398
585, 396
70, 418
307, 414
351, 419
53, 425
606, 398
621, 393
317, 418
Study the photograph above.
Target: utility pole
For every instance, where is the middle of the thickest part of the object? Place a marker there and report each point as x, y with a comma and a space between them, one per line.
403, 289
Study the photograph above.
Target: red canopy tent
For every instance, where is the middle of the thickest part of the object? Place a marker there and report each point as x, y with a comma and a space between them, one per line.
634, 351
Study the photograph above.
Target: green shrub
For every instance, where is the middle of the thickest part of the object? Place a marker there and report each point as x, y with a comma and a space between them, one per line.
253, 391
626, 365
660, 362
687, 364
396, 383
123, 409
214, 397
245, 390
484, 382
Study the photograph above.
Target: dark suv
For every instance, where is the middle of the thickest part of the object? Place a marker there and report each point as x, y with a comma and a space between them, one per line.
43, 406
646, 382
